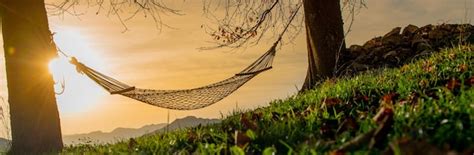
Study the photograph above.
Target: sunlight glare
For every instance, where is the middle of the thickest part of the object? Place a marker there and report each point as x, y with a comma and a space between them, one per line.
80, 93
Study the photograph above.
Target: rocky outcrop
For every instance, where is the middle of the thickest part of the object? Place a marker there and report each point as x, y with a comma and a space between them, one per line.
400, 46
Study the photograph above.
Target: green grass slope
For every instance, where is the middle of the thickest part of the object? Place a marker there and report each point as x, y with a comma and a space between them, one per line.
427, 105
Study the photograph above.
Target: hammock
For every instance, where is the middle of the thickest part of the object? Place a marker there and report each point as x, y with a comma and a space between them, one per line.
185, 99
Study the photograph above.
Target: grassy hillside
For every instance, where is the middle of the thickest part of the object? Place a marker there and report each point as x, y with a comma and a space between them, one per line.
426, 105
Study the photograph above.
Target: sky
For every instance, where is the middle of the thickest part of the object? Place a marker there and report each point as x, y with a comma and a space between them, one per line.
169, 59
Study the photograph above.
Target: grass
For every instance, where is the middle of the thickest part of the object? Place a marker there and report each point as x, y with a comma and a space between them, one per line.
432, 103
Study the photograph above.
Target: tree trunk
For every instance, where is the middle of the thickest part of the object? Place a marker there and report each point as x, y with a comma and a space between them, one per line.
324, 36
28, 48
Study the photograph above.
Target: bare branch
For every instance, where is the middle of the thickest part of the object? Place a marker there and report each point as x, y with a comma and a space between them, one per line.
246, 23
353, 6
123, 10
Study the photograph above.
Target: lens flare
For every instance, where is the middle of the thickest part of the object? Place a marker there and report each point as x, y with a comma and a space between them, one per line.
79, 94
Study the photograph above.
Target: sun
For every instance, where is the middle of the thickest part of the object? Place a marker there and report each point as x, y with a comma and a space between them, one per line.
75, 92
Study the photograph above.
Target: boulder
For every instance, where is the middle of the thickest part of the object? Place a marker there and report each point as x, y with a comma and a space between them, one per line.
390, 54
422, 46
373, 43
357, 50
427, 28
395, 31
359, 67
393, 37
437, 34
423, 31
409, 31
395, 48
463, 28
405, 52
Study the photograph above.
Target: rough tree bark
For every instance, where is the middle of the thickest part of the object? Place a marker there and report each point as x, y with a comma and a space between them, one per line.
325, 34
28, 48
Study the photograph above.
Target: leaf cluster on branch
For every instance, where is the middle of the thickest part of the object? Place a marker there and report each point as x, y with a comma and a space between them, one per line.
240, 23
245, 22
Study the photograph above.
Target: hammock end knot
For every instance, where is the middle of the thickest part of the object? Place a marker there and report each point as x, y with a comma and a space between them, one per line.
79, 66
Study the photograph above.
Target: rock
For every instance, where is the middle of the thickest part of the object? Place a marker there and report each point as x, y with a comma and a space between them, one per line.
392, 40
427, 28
395, 31
437, 34
446, 27
463, 28
409, 31
423, 46
393, 37
373, 43
359, 67
423, 31
418, 39
395, 48
357, 50
378, 51
405, 43
405, 53
425, 52
391, 58
469, 37
390, 54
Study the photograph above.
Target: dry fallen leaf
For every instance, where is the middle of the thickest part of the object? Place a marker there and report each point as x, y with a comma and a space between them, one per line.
331, 102
241, 139
359, 98
423, 83
463, 68
306, 112
257, 116
453, 84
389, 99
428, 66
192, 136
382, 114
375, 137
247, 123
349, 123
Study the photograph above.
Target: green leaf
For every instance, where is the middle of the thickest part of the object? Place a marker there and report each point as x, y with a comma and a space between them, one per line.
251, 134
269, 151
235, 150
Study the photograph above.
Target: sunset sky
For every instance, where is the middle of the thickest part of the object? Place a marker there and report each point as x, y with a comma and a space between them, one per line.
147, 58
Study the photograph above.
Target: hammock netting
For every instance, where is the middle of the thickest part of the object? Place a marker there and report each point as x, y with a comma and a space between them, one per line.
185, 99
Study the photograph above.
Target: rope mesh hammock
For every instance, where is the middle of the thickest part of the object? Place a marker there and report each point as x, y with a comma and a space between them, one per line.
185, 99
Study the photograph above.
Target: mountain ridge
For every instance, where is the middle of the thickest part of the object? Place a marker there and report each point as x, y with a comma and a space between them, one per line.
121, 133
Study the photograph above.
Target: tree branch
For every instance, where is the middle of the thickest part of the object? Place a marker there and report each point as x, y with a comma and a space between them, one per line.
119, 8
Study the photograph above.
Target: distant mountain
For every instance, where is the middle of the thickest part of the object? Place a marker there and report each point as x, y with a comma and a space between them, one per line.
99, 137
117, 134
186, 122
4, 144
